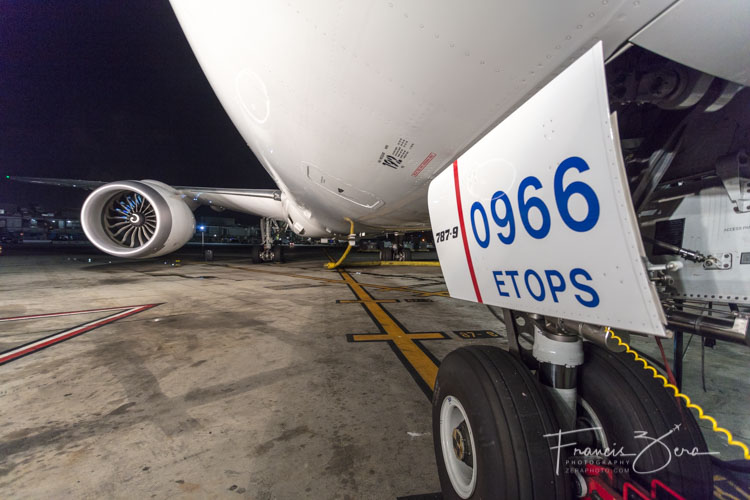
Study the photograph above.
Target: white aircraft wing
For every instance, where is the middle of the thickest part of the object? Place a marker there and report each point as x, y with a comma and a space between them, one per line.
75, 183
261, 202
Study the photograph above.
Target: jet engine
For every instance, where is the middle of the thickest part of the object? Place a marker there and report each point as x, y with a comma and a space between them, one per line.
137, 219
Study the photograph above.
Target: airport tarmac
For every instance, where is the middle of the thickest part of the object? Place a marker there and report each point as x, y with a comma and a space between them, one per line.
178, 377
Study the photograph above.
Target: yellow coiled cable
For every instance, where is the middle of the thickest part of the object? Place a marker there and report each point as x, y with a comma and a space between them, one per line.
678, 394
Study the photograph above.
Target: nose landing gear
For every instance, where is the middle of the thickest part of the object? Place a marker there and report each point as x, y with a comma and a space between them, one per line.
502, 430
489, 422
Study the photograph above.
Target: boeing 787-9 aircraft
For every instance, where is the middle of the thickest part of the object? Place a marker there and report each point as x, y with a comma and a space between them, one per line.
581, 164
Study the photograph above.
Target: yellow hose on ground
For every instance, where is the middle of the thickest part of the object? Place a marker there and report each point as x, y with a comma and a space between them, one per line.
678, 394
331, 265
413, 263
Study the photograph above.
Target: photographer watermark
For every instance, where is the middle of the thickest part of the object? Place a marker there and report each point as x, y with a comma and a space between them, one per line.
620, 457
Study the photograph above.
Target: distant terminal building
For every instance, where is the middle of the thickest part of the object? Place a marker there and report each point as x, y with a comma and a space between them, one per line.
36, 223
224, 230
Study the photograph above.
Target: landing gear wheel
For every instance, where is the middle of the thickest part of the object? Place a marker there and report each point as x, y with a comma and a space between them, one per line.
488, 421
278, 253
407, 254
617, 394
386, 254
255, 254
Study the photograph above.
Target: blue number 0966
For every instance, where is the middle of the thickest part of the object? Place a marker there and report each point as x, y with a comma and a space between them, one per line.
527, 203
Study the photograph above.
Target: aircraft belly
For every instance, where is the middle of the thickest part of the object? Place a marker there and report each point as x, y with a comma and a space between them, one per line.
378, 98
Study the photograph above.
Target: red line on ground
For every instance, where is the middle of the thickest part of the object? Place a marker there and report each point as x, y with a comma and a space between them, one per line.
57, 338
65, 313
463, 232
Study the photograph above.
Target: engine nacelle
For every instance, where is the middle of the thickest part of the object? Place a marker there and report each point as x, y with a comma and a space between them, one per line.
137, 219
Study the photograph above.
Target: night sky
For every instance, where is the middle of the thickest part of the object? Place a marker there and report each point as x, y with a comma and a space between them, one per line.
106, 90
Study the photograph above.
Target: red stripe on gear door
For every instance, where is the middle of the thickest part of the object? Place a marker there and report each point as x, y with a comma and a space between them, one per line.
463, 232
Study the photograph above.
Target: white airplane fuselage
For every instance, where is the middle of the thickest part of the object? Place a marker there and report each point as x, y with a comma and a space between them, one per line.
353, 107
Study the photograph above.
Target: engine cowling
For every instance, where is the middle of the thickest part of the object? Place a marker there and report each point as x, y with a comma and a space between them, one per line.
137, 219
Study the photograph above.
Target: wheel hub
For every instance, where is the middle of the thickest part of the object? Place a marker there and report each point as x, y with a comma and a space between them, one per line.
457, 443
588, 419
462, 444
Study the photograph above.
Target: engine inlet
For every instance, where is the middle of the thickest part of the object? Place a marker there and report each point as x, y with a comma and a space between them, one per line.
130, 219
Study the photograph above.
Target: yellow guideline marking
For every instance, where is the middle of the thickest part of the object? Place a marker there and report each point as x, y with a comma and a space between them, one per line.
406, 289
720, 494
369, 337
403, 341
379, 301
442, 293
405, 263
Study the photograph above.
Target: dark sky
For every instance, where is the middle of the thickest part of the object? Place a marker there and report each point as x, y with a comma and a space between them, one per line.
109, 90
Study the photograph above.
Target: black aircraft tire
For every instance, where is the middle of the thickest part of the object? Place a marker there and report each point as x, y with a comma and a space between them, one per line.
627, 399
255, 254
507, 419
407, 254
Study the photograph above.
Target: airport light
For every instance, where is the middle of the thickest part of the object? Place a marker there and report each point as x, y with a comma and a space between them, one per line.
202, 229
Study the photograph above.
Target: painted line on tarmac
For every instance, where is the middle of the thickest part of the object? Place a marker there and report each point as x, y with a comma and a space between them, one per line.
421, 364
725, 488
66, 313
477, 334
405, 289
56, 338
379, 301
